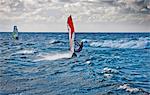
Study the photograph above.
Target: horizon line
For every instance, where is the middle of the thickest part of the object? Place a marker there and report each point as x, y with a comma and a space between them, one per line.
78, 32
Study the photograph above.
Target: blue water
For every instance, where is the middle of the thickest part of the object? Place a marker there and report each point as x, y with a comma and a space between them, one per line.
109, 64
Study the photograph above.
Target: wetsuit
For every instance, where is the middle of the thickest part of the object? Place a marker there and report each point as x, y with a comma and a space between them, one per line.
80, 47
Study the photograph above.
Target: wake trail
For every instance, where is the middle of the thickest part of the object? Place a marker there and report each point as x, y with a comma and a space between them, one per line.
54, 56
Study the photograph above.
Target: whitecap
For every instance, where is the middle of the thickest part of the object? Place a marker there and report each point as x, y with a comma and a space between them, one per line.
95, 44
123, 43
109, 70
108, 75
86, 40
88, 62
25, 51
52, 41
128, 88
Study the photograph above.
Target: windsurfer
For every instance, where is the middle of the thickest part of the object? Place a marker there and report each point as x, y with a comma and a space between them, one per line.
15, 33
73, 42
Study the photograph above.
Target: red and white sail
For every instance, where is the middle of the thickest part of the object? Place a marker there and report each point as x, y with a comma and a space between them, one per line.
71, 33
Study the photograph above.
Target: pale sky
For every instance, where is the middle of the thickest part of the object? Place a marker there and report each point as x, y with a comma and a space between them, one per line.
88, 15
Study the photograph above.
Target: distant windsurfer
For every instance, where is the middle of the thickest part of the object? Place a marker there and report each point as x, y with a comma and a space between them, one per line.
15, 33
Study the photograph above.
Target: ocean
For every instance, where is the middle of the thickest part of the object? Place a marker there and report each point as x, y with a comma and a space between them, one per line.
109, 64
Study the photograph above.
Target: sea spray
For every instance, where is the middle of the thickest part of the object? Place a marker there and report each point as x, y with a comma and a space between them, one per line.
122, 43
54, 56
25, 51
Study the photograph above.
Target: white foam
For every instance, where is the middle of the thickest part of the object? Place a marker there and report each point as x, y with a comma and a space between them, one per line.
52, 41
109, 70
25, 52
86, 40
127, 88
124, 43
54, 56
88, 62
108, 76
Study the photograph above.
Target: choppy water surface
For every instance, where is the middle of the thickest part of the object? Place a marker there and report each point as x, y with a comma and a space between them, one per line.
110, 63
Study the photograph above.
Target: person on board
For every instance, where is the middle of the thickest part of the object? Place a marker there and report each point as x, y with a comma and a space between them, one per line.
17, 38
15, 33
80, 45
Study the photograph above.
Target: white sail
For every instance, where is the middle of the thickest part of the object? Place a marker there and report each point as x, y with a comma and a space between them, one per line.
71, 41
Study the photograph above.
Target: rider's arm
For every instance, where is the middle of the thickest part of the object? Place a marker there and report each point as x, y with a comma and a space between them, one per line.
77, 43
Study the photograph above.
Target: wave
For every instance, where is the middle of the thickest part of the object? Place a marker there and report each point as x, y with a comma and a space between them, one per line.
88, 62
123, 43
54, 56
86, 40
109, 70
108, 76
25, 51
55, 41
128, 88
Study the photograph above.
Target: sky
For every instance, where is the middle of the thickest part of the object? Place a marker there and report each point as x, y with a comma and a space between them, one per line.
88, 15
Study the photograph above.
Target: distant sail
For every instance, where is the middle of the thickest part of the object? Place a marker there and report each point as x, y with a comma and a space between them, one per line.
15, 33
145, 4
71, 33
